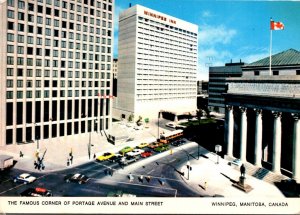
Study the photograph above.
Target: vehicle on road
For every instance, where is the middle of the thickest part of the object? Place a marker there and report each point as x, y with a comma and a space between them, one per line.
128, 160
154, 145
178, 142
171, 125
115, 158
142, 145
119, 193
6, 161
36, 192
162, 148
180, 127
125, 150
171, 136
77, 178
135, 152
105, 156
146, 154
24, 178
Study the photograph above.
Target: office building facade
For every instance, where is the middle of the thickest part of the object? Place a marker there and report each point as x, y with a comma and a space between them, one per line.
56, 59
217, 84
157, 63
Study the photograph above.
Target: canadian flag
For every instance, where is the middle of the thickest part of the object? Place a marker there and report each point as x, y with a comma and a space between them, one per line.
276, 25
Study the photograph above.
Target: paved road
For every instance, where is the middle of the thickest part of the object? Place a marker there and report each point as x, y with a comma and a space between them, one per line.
166, 180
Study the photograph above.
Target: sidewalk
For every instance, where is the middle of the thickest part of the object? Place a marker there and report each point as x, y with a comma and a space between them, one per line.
215, 179
57, 150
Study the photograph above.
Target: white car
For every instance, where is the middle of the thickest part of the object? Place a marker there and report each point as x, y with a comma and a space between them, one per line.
171, 125
25, 178
236, 162
135, 152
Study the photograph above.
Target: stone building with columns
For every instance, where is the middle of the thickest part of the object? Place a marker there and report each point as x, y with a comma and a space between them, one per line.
262, 114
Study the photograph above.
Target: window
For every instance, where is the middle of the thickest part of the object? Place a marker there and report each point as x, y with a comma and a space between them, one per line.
20, 38
9, 95
30, 29
20, 61
19, 83
20, 27
10, 48
256, 73
30, 40
9, 71
20, 50
30, 18
275, 72
30, 7
19, 94
10, 37
10, 25
9, 83
10, 14
21, 4
297, 72
20, 16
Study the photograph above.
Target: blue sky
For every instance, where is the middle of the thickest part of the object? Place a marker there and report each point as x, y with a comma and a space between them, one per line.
230, 30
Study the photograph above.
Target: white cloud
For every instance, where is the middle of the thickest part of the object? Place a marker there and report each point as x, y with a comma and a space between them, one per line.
206, 14
211, 35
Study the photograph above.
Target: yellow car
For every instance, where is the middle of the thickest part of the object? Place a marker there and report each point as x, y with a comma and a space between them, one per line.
142, 145
105, 156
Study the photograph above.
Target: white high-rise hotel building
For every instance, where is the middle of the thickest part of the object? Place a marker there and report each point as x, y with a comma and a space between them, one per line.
55, 65
158, 57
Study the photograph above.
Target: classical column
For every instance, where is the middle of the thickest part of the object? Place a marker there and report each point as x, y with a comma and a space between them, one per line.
243, 140
258, 137
296, 148
276, 142
230, 124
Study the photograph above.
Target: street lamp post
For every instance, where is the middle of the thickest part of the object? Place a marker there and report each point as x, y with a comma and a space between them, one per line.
218, 148
158, 125
188, 165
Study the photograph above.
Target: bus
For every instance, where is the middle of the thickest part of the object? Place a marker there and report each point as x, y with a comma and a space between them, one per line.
171, 136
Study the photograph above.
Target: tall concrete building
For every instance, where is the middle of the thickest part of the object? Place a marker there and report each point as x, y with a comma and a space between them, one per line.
263, 112
55, 65
217, 84
157, 67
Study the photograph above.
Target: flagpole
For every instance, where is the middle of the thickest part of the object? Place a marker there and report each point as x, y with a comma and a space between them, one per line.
270, 48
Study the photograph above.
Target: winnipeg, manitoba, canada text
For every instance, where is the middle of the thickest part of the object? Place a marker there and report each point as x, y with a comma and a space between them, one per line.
249, 204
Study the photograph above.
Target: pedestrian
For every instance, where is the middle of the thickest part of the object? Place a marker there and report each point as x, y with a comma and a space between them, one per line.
68, 162
205, 185
21, 154
94, 156
71, 159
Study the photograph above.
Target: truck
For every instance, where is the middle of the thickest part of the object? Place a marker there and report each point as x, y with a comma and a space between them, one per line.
6, 161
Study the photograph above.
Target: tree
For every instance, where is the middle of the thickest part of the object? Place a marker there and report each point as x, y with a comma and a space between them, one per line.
130, 118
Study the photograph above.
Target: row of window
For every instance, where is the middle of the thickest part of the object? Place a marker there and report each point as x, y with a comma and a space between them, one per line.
20, 27
56, 73
63, 4
55, 93
38, 83
56, 63
165, 98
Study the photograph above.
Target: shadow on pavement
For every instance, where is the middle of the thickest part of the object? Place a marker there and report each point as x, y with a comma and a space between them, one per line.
231, 180
289, 187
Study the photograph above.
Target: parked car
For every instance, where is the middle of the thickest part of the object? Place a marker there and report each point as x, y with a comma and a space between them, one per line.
154, 145
135, 152
142, 145
77, 178
236, 162
128, 160
146, 154
105, 156
178, 142
119, 193
36, 192
171, 125
24, 178
180, 127
162, 148
115, 158
125, 150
